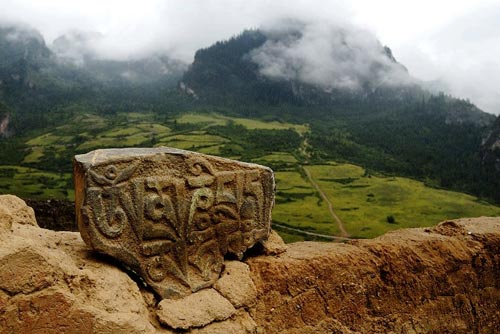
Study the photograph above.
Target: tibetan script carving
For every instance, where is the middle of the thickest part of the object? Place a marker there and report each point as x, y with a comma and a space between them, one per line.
171, 215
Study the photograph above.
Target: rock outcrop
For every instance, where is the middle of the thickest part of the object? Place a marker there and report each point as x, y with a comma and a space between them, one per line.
14, 210
444, 279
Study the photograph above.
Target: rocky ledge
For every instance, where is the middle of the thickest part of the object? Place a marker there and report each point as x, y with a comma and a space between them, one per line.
444, 279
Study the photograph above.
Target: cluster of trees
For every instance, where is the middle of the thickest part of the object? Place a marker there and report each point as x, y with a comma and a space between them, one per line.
257, 142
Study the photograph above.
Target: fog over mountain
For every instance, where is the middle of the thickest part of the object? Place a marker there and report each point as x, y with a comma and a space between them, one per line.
454, 43
328, 55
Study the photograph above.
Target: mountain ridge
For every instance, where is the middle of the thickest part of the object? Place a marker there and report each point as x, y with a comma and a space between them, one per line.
396, 127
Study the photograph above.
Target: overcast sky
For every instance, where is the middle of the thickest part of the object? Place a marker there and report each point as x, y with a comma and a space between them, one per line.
454, 41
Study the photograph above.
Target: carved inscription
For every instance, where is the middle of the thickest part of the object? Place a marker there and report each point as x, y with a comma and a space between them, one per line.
171, 215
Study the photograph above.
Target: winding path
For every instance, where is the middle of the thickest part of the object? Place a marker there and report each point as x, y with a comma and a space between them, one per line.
325, 236
343, 231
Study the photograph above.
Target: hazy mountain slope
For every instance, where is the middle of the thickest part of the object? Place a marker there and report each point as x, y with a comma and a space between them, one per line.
290, 66
40, 84
267, 66
490, 158
78, 48
359, 103
5, 129
363, 106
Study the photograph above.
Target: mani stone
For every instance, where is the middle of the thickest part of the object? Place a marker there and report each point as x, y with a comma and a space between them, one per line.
171, 215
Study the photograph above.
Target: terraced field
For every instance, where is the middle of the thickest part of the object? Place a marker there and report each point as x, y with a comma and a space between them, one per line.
212, 119
33, 183
367, 205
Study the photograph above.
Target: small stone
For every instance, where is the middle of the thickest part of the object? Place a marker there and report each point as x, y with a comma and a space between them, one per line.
274, 245
171, 215
25, 270
196, 310
240, 323
14, 210
236, 284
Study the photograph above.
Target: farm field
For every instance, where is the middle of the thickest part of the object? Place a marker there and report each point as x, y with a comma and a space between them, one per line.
212, 119
370, 205
367, 204
29, 182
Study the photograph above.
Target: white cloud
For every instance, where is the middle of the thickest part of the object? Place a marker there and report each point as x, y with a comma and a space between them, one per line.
425, 35
464, 55
329, 55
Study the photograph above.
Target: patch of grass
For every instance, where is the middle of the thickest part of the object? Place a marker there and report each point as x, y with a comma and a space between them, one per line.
298, 205
212, 150
212, 119
154, 128
33, 183
50, 139
102, 142
278, 157
410, 202
86, 121
121, 132
193, 141
202, 119
34, 156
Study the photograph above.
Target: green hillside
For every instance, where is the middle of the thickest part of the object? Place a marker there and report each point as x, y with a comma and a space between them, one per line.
350, 162
363, 200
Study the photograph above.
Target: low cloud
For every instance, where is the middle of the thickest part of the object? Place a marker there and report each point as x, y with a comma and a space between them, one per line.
331, 55
428, 37
462, 57
77, 46
131, 29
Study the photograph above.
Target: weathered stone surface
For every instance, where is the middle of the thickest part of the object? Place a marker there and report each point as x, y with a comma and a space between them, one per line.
274, 245
196, 310
240, 323
443, 279
14, 210
51, 283
171, 215
25, 270
236, 284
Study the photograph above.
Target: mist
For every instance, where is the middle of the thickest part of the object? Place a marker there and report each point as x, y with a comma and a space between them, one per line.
328, 54
454, 43
134, 29
462, 56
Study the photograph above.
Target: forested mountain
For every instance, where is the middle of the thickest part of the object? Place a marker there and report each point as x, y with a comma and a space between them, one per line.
378, 116
259, 66
39, 83
359, 103
263, 67
490, 155
77, 49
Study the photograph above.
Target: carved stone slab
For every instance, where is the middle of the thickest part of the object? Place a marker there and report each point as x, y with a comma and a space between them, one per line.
171, 215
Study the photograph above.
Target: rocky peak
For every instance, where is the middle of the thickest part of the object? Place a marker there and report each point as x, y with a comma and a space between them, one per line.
21, 43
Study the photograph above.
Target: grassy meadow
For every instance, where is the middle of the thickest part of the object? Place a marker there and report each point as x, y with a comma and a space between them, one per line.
368, 204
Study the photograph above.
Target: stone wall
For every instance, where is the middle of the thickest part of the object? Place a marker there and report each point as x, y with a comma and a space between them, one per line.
439, 280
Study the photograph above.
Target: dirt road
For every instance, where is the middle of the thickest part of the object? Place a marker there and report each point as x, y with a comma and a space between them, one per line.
343, 231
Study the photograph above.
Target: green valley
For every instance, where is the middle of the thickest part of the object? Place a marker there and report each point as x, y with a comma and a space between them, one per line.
350, 161
368, 203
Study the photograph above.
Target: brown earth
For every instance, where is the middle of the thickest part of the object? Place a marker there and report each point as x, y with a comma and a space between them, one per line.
440, 280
